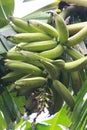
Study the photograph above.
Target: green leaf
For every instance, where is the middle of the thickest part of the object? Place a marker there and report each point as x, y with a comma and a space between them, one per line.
2, 47
2, 122
44, 9
79, 114
20, 102
61, 118
8, 107
6, 9
5, 45
44, 126
23, 125
43, 16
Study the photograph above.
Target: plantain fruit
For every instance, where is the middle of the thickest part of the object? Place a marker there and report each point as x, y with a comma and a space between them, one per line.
23, 67
76, 27
12, 76
28, 37
53, 53
45, 28
76, 65
34, 58
76, 81
72, 52
38, 46
31, 83
25, 25
17, 28
61, 27
65, 78
78, 37
57, 102
64, 92
15, 55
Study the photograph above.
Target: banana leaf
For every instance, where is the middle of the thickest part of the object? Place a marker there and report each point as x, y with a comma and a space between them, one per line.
49, 6
8, 107
79, 114
4, 44
6, 9
2, 122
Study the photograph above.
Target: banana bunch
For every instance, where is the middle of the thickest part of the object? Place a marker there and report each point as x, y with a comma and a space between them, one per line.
44, 64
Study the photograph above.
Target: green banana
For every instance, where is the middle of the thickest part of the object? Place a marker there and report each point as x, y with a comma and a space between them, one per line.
31, 83
57, 102
28, 37
61, 27
78, 37
12, 76
17, 29
53, 53
15, 55
76, 27
38, 46
25, 25
76, 65
23, 67
64, 93
74, 53
65, 78
76, 81
45, 28
34, 58
51, 69
26, 56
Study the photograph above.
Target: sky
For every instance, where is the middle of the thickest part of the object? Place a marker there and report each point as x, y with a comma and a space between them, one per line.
24, 8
